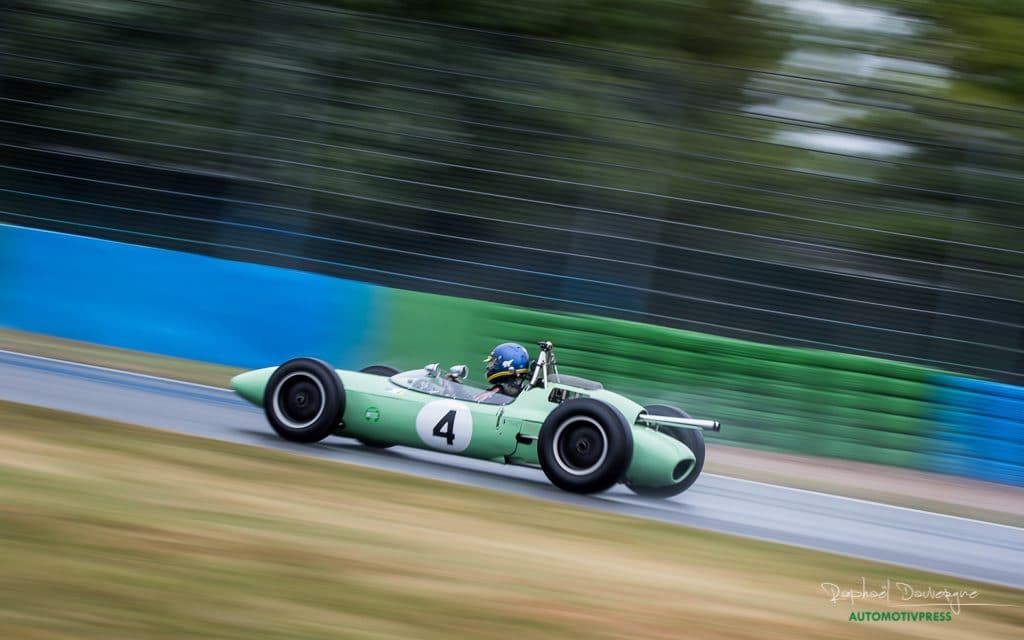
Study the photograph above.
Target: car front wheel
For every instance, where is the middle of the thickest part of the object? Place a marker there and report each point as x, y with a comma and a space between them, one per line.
304, 400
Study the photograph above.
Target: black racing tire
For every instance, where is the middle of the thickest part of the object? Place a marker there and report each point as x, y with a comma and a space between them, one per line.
304, 400
692, 438
585, 446
385, 371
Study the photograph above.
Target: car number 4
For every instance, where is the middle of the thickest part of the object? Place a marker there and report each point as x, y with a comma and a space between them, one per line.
445, 428
445, 425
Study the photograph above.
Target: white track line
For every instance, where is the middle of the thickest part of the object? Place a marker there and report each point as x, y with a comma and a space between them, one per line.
714, 475
870, 502
112, 370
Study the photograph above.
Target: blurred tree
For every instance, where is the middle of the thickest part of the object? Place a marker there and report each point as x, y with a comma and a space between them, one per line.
686, 151
980, 42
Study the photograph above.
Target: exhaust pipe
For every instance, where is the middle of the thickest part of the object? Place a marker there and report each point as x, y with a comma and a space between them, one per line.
649, 420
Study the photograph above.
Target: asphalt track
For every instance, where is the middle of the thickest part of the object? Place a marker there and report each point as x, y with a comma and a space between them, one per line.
961, 547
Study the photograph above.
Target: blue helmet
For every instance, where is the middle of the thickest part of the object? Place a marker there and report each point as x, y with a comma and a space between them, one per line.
507, 360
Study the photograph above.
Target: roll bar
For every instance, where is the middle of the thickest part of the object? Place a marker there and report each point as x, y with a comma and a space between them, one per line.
545, 361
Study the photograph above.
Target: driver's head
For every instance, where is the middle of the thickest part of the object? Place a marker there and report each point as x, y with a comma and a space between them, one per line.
507, 362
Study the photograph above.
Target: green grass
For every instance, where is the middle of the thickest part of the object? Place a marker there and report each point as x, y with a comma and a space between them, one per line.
113, 531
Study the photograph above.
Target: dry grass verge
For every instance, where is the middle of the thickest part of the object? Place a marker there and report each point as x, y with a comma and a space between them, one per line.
112, 531
136, 361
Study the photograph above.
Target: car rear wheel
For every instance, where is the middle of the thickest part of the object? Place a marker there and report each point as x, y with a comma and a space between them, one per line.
385, 371
585, 446
692, 438
304, 400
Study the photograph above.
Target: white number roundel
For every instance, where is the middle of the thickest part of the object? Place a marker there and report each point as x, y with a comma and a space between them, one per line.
445, 425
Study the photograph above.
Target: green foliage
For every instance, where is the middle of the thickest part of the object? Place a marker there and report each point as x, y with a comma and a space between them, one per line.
690, 126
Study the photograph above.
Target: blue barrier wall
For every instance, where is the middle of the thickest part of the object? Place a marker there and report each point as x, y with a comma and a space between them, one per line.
252, 315
178, 304
978, 429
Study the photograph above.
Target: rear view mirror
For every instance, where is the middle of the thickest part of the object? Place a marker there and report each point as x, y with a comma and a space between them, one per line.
459, 371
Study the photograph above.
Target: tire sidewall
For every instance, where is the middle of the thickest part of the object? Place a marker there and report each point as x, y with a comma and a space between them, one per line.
332, 398
618, 438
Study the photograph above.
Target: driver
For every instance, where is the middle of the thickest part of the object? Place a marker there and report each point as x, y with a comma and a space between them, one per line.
507, 369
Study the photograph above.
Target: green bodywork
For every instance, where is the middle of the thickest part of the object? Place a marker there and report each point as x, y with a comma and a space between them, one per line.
379, 410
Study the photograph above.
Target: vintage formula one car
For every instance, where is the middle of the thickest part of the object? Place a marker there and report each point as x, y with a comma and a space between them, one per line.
584, 437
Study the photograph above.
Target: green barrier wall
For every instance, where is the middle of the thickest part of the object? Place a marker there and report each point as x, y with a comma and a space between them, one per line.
778, 398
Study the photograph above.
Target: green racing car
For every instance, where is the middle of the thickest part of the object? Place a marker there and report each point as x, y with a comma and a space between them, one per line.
584, 437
